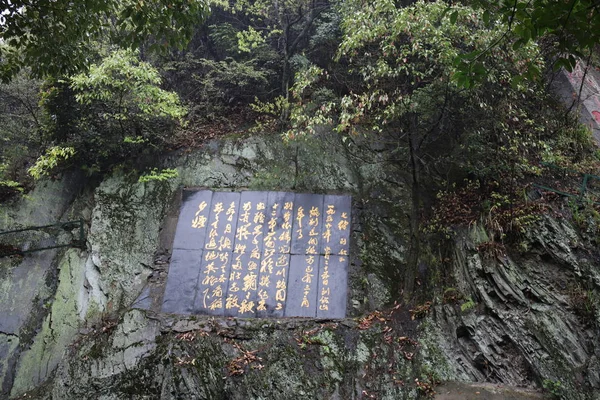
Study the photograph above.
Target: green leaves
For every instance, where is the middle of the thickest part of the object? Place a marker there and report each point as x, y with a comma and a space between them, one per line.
47, 162
453, 17
128, 88
58, 37
573, 26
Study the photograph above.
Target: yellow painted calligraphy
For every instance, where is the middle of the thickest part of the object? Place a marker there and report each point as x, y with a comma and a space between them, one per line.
242, 232
250, 282
246, 306
210, 280
224, 243
285, 237
218, 291
232, 302
216, 304
237, 265
261, 306
205, 292
255, 253
265, 280
307, 278
210, 268
314, 212
230, 211
281, 284
259, 218
282, 260
299, 216
266, 265
199, 222
280, 295
257, 232
269, 240
218, 208
201, 207
305, 303
233, 287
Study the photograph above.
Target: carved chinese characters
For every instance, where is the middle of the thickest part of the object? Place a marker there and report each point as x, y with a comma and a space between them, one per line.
260, 254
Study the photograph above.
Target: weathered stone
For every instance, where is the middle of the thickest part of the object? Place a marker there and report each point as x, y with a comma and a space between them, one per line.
519, 328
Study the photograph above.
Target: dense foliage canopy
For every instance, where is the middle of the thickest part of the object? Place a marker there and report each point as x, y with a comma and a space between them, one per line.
54, 37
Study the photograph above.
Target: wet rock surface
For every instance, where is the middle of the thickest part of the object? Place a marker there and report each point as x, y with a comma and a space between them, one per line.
93, 330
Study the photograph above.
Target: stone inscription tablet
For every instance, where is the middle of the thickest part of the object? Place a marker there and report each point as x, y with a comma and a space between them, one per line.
260, 254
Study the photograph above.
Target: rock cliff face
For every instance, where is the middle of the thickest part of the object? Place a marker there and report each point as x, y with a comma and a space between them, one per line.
77, 324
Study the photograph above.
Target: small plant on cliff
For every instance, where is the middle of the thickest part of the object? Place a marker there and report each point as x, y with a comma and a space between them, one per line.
160, 176
553, 387
584, 303
468, 305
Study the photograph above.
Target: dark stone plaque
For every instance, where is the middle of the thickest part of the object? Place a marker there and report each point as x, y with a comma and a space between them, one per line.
223, 221
306, 229
182, 282
193, 220
333, 287
336, 225
302, 286
272, 284
212, 283
260, 254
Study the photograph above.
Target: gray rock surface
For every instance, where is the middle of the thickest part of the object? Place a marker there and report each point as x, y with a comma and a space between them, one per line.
79, 337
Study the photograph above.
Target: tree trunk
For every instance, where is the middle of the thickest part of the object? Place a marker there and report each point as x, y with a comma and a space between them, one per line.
285, 88
415, 227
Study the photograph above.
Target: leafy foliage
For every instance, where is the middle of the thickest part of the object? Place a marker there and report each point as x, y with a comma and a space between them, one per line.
58, 37
125, 89
50, 160
572, 27
212, 88
288, 24
160, 176
113, 111
20, 123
